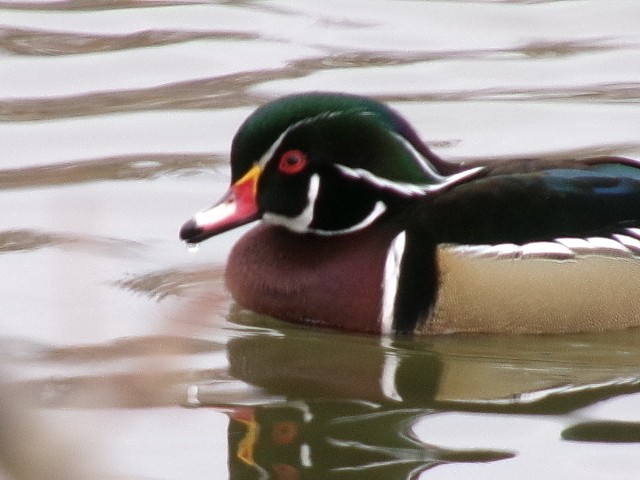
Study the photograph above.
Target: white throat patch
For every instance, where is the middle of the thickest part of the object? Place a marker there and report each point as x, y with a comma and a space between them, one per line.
301, 222
378, 209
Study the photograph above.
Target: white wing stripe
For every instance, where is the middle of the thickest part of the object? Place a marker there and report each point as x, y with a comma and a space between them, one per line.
565, 248
633, 231
575, 244
629, 242
545, 250
608, 244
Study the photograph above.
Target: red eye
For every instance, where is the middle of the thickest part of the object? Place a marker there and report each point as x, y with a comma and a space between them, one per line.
292, 161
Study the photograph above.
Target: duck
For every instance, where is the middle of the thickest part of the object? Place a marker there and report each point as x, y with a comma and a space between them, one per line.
361, 227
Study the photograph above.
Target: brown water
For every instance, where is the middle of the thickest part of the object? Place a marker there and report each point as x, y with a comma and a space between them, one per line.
122, 355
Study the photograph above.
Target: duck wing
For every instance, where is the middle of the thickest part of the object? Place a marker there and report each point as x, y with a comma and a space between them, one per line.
600, 198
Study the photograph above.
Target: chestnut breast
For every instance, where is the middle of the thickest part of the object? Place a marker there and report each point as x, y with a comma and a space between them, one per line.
334, 281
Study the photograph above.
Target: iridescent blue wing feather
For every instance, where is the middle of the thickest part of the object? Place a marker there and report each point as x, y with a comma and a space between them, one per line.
599, 198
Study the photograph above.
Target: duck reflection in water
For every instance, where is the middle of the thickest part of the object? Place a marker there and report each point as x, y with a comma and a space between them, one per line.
340, 406
319, 404
332, 440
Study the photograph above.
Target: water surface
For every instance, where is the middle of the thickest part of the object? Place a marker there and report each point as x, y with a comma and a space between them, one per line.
122, 352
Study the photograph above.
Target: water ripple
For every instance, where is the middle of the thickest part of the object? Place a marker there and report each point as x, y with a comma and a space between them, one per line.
23, 240
73, 5
128, 167
161, 284
23, 41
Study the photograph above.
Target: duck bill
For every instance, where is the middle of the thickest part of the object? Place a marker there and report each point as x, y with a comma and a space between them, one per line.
236, 208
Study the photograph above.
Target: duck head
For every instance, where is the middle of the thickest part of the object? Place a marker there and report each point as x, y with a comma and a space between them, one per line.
324, 164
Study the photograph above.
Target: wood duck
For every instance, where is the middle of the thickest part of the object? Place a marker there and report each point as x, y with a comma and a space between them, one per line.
365, 229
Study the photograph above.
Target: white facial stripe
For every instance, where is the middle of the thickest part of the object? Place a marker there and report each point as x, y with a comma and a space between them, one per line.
390, 281
424, 164
301, 222
407, 189
378, 209
269, 153
272, 149
420, 160
455, 178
